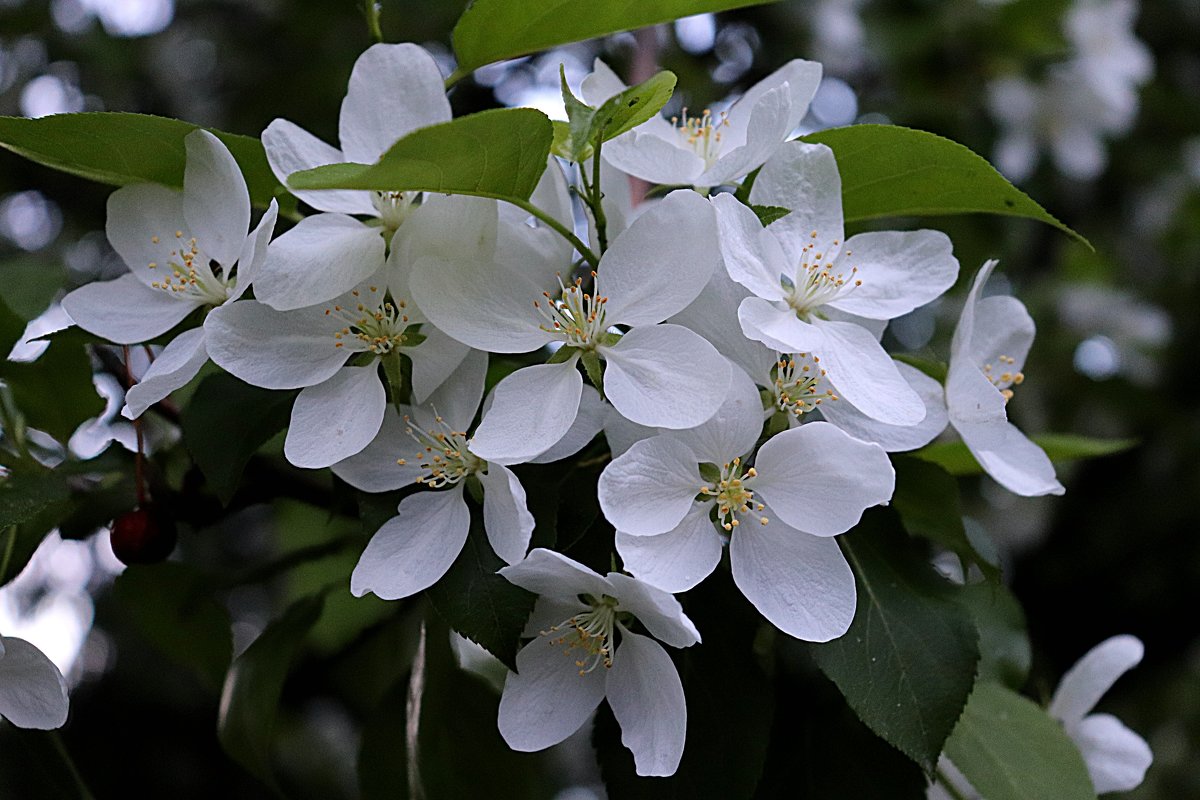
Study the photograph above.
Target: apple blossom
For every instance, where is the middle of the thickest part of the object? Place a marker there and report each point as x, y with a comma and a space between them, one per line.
394, 89
706, 149
814, 293
495, 285
33, 693
185, 250
806, 486
582, 622
987, 354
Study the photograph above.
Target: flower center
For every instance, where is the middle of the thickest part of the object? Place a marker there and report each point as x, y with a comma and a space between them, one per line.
1006, 378
576, 316
443, 454
702, 134
800, 384
373, 324
394, 207
588, 635
816, 281
188, 275
733, 494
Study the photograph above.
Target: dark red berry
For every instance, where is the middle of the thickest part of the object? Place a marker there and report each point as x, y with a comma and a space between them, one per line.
145, 535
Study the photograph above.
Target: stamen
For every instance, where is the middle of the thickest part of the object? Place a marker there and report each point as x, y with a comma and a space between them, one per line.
591, 633
442, 453
576, 317
376, 325
800, 384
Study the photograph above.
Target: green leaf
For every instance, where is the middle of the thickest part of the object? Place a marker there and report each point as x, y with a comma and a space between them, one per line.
478, 603
891, 171
29, 284
499, 153
907, 664
493, 30
934, 369
1011, 749
26, 493
226, 421
622, 112
55, 393
955, 458
174, 608
1005, 654
594, 369
119, 148
250, 699
927, 500
768, 214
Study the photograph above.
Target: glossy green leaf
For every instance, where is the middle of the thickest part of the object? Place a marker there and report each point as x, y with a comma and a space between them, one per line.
907, 664
26, 492
955, 458
768, 214
620, 113
927, 500
174, 608
120, 148
478, 603
225, 422
890, 171
55, 393
1011, 749
493, 30
250, 699
499, 153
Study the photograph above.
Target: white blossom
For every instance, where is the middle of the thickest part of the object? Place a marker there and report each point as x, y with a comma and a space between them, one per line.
987, 354
583, 651
394, 89
706, 149
780, 514
185, 250
814, 293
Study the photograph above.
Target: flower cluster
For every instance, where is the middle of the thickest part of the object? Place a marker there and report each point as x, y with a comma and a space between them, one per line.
735, 369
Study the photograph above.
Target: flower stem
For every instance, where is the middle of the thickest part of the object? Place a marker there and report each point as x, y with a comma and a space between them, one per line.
597, 198
558, 227
457, 76
72, 770
371, 9
139, 469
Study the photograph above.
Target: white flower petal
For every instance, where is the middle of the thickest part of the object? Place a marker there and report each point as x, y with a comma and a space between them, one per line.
661, 263
33, 693
531, 409
714, 315
899, 270
649, 488
964, 331
894, 438
457, 398
177, 364
216, 203
621, 434
733, 430
800, 583
820, 479
506, 517
1002, 328
678, 559
802, 79
588, 422
549, 612
654, 159
977, 412
141, 224
273, 349
375, 467
753, 256
600, 84
1093, 675
551, 574
414, 548
435, 359
865, 375
803, 178
324, 256
254, 251
778, 327
125, 310
546, 699
646, 696
394, 89
291, 149
1116, 757
336, 419
665, 376
657, 609
770, 123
